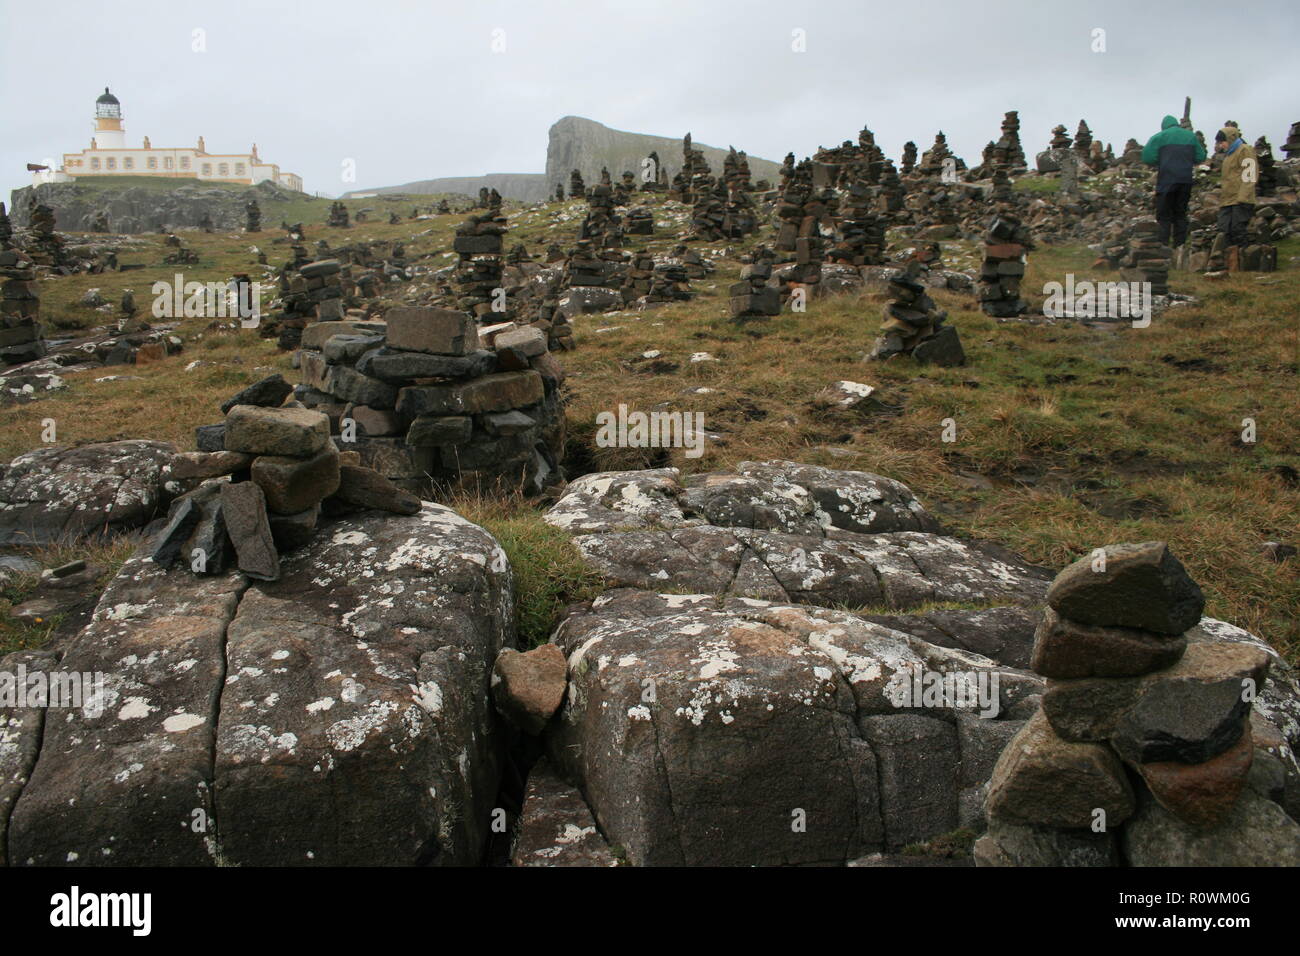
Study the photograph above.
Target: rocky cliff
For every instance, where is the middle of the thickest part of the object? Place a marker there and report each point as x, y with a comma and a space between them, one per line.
583, 144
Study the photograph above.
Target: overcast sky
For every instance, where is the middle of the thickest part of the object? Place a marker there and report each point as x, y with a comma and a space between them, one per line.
412, 90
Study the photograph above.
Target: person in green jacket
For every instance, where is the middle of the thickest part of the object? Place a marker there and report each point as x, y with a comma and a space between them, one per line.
1174, 151
1237, 192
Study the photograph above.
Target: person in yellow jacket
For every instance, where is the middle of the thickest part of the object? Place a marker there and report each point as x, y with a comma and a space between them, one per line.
1237, 192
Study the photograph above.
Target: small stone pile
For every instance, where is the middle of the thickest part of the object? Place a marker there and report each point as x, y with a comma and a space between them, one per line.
426, 398
264, 476
21, 332
639, 221
913, 325
309, 292
709, 212
648, 282
1005, 245
932, 160
1132, 155
338, 215
253, 217
1134, 682
577, 189
752, 298
1147, 259
1292, 145
478, 244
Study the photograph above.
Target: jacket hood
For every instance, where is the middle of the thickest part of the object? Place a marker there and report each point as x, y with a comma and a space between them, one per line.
1231, 134
1167, 122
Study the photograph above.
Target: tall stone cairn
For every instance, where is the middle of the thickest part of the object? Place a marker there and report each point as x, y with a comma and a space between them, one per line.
1143, 751
577, 189
44, 245
1083, 143
909, 159
1010, 140
478, 245
252, 217
21, 333
1005, 245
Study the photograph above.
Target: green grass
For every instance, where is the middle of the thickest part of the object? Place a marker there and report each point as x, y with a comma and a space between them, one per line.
1068, 437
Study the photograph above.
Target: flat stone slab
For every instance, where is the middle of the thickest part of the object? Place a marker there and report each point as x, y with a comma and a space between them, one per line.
59, 493
556, 827
340, 715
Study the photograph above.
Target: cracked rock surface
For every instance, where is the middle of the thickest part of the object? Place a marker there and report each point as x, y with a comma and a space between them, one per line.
725, 704
58, 493
340, 715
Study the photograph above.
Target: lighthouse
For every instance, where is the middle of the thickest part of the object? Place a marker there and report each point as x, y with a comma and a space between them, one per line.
109, 133
109, 155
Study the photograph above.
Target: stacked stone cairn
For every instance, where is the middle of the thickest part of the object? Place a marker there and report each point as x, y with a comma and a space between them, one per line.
639, 221
860, 234
21, 333
932, 160
1060, 138
1005, 245
709, 211
1147, 259
253, 217
913, 325
602, 224
478, 245
1142, 752
309, 292
44, 246
577, 190
908, 164
1132, 155
654, 176
801, 210
1267, 185
624, 188
338, 215
427, 399
260, 482
1009, 143
1083, 143
752, 298
1292, 145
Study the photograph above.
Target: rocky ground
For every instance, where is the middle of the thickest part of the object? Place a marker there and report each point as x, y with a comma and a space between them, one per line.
669, 658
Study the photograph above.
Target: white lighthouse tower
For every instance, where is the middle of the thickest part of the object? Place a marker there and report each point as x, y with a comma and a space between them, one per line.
109, 133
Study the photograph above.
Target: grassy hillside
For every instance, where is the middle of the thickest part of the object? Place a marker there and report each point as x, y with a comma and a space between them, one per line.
1068, 437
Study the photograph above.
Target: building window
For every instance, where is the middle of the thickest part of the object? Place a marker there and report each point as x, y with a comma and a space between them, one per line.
153, 162
239, 169
167, 162
111, 162
223, 169
128, 163
94, 162
207, 169
185, 162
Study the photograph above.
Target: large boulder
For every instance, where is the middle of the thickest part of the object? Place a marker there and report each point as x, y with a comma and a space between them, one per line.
749, 732
60, 493
338, 716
